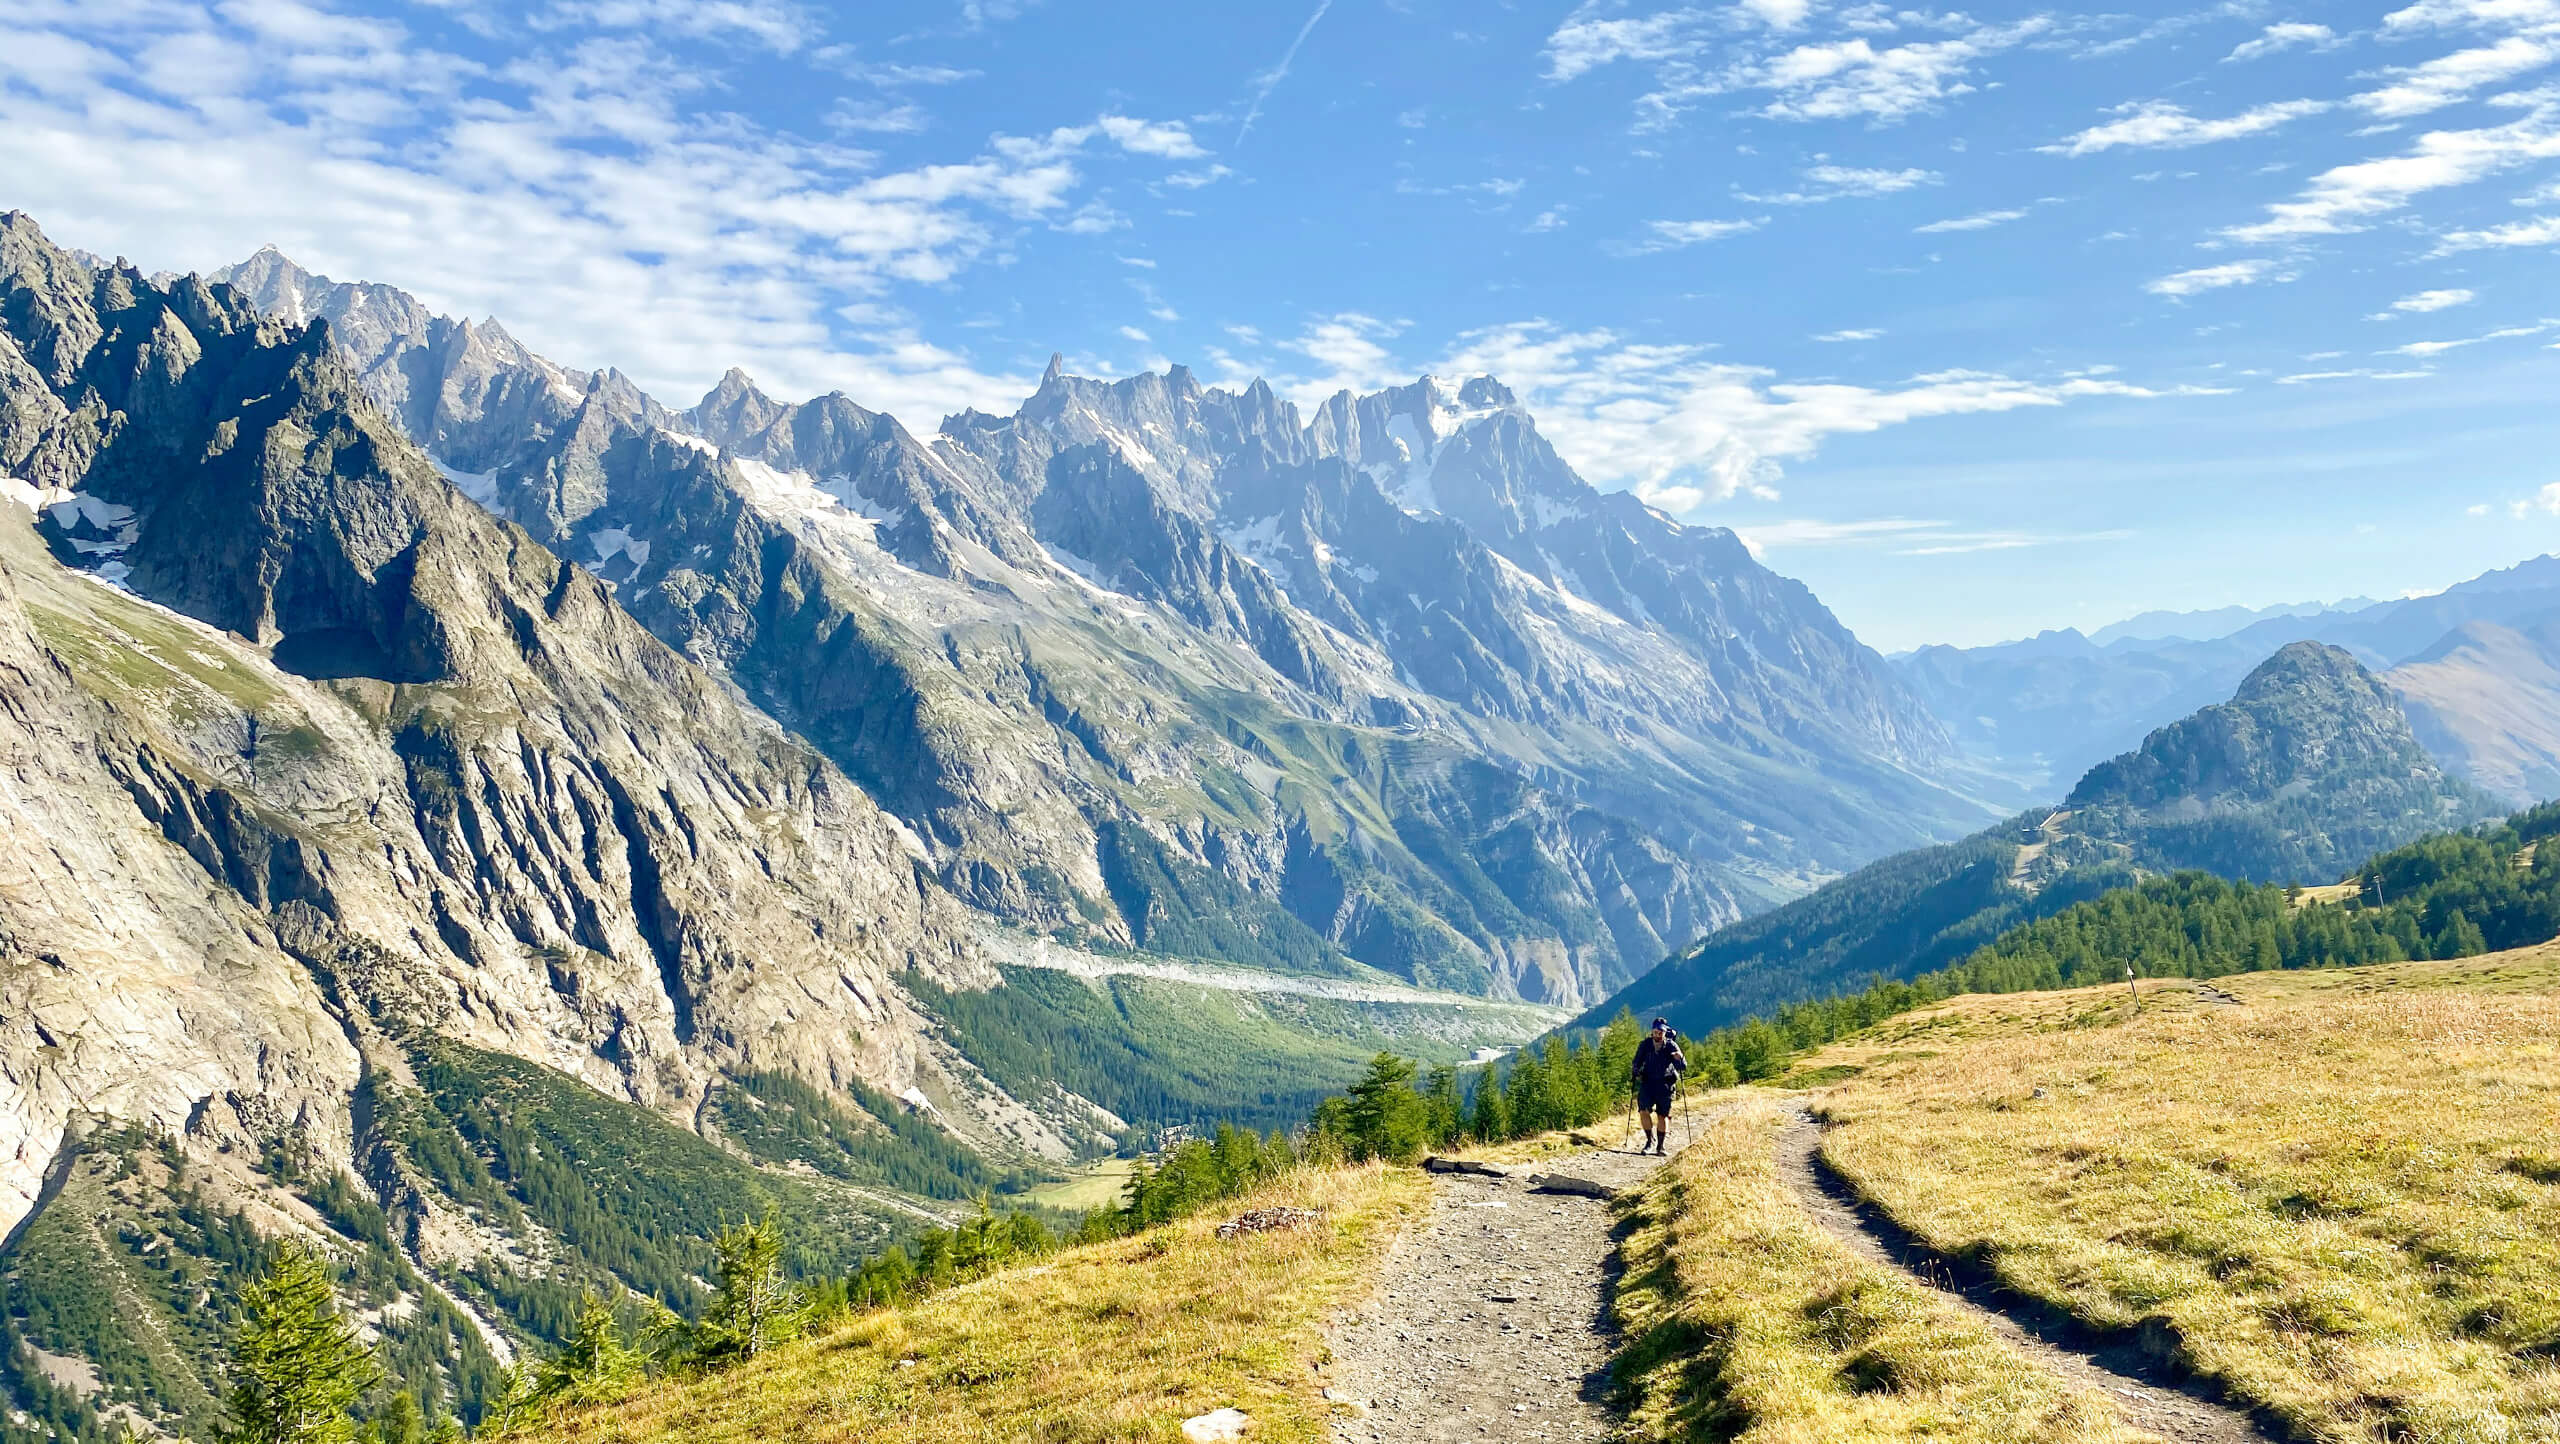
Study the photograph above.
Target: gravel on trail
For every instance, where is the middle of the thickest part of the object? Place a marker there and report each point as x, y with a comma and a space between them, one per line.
1490, 1319
2146, 1396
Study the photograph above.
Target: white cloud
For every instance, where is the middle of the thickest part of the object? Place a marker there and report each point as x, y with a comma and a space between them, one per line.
2215, 278
1978, 221
1903, 536
1835, 182
2428, 350
1584, 43
1858, 335
2450, 78
2523, 16
1853, 79
1679, 235
2157, 124
1134, 334
2340, 199
1548, 220
579, 191
1167, 139
2288, 36
2544, 231
1856, 78
2546, 501
2426, 301
1667, 422
2305, 378
1777, 14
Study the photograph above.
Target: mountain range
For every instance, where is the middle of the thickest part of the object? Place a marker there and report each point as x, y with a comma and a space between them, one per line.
439, 777
2033, 713
1388, 681
2308, 770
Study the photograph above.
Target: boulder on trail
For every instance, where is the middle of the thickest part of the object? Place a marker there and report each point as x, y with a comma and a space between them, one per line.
1567, 1183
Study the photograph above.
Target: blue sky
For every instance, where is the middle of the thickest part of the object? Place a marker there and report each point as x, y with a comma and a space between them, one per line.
1979, 321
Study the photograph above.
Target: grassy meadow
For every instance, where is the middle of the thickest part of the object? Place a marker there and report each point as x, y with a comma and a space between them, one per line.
1745, 1321
2340, 1197
1108, 1342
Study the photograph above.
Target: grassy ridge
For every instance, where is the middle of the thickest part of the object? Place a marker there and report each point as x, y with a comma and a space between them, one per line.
2341, 1198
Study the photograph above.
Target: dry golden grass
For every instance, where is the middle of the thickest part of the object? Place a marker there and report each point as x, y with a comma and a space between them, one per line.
2341, 1198
1117, 1341
1746, 1321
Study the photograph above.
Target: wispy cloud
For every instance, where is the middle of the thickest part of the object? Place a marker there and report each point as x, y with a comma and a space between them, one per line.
2159, 125
1837, 182
1679, 235
2450, 78
2543, 231
2343, 198
2427, 350
1978, 221
2291, 35
1269, 80
2306, 378
1904, 536
1852, 78
2214, 278
2424, 302
1857, 335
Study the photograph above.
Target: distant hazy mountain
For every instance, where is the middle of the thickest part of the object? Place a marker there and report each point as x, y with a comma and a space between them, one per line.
2205, 626
2309, 769
2486, 699
2039, 711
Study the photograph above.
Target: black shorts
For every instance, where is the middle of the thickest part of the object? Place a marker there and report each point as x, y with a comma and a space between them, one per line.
1654, 1095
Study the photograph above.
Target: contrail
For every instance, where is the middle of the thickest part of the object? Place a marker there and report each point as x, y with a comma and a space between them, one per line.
1271, 78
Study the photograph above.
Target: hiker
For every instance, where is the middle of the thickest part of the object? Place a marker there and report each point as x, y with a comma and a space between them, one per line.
1658, 1066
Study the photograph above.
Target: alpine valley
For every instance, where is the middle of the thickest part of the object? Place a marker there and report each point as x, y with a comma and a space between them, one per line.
437, 777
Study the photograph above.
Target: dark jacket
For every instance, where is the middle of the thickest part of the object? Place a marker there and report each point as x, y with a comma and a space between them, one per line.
1659, 1060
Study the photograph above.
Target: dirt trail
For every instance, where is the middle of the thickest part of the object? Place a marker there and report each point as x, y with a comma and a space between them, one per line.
2147, 1396
1490, 1319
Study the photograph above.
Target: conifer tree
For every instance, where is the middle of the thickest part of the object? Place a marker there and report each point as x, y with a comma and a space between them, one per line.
757, 1306
297, 1365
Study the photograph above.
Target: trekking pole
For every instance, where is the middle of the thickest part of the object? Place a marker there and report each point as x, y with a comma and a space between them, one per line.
1627, 1134
1688, 1120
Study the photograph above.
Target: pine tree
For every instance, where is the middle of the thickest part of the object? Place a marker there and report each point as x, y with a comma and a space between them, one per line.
757, 1306
297, 1364
593, 1363
1384, 1117
1491, 1118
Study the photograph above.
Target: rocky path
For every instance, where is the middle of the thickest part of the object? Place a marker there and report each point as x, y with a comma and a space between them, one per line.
1490, 1319
2146, 1396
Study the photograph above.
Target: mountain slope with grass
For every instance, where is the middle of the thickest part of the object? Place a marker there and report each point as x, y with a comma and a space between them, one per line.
2309, 769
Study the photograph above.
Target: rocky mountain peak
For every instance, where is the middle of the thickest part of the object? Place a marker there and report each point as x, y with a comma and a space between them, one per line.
2308, 712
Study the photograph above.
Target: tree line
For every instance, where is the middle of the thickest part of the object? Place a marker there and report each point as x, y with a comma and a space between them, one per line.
2453, 895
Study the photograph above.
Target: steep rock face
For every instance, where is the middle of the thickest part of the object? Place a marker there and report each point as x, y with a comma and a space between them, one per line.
1146, 614
382, 704
2307, 771
136, 987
